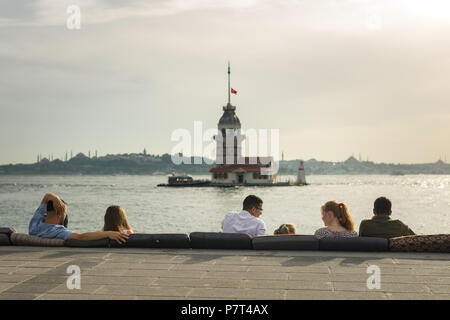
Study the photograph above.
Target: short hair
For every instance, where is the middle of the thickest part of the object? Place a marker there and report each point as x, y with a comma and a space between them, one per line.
382, 205
250, 202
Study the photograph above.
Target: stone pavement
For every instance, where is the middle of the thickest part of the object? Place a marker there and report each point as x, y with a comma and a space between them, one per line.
41, 273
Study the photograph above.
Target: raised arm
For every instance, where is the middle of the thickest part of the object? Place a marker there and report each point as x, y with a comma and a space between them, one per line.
57, 202
50, 197
113, 235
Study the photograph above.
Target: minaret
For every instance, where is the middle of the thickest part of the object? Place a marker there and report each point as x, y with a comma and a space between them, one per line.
229, 121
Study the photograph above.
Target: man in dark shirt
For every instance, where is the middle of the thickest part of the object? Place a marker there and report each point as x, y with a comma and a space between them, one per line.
381, 225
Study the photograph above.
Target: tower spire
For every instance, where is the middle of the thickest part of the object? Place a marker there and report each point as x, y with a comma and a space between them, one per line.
229, 83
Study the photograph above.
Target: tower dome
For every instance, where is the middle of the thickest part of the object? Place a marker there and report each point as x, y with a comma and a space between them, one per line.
229, 119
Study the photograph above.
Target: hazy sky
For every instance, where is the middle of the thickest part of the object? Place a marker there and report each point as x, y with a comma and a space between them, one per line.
335, 77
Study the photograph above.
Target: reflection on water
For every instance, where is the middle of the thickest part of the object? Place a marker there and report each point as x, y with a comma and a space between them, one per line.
421, 201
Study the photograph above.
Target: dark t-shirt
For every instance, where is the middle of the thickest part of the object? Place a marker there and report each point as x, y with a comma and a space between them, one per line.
382, 226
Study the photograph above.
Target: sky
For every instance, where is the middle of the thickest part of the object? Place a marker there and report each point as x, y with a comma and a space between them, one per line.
336, 78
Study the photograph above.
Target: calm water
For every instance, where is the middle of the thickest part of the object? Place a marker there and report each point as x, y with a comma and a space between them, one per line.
421, 201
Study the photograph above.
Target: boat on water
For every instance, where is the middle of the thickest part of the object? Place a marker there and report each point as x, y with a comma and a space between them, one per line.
188, 181
184, 181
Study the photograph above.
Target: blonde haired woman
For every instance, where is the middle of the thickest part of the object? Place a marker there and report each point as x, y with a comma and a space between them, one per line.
338, 221
116, 220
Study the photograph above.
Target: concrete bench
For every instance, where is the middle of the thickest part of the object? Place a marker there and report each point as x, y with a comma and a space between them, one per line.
137, 240
238, 241
286, 242
219, 240
354, 244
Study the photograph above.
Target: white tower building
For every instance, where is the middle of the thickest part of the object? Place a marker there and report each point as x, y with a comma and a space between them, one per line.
229, 139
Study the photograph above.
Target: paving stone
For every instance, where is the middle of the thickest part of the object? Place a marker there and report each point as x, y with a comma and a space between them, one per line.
210, 267
131, 266
84, 288
117, 280
5, 285
309, 276
386, 270
348, 270
238, 261
246, 275
319, 269
225, 293
429, 271
47, 279
43, 264
327, 295
6, 270
103, 272
416, 296
75, 296
166, 273
437, 279
40, 272
421, 262
160, 298
287, 284
11, 263
349, 277
17, 296
385, 287
144, 290
32, 271
445, 289
25, 287
15, 278
198, 283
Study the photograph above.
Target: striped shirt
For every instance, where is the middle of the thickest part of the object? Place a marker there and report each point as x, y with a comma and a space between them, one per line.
327, 233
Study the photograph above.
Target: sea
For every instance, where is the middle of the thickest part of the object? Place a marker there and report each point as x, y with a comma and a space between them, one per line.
420, 201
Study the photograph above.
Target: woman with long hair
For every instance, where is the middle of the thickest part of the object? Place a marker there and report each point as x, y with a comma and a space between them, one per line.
116, 220
338, 221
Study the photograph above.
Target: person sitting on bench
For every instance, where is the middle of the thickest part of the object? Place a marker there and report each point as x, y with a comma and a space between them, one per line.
381, 225
246, 221
48, 220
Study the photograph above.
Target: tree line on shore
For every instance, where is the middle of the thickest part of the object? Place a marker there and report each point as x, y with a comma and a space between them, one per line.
163, 165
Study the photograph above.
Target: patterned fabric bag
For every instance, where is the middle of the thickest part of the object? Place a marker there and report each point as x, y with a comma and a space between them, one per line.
21, 239
421, 243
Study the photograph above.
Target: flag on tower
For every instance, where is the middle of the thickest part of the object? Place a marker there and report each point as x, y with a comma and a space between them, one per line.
233, 91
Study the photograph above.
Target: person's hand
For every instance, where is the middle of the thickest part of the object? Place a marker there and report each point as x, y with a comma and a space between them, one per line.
118, 236
58, 205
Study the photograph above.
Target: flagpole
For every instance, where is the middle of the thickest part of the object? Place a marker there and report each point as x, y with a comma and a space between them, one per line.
228, 82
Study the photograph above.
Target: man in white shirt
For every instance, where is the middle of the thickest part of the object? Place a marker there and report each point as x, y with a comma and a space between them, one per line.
246, 221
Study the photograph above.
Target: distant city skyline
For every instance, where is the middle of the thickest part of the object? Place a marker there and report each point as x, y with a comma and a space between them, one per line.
335, 77
51, 157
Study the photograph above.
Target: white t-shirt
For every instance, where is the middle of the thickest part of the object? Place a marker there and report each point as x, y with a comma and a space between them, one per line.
243, 222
